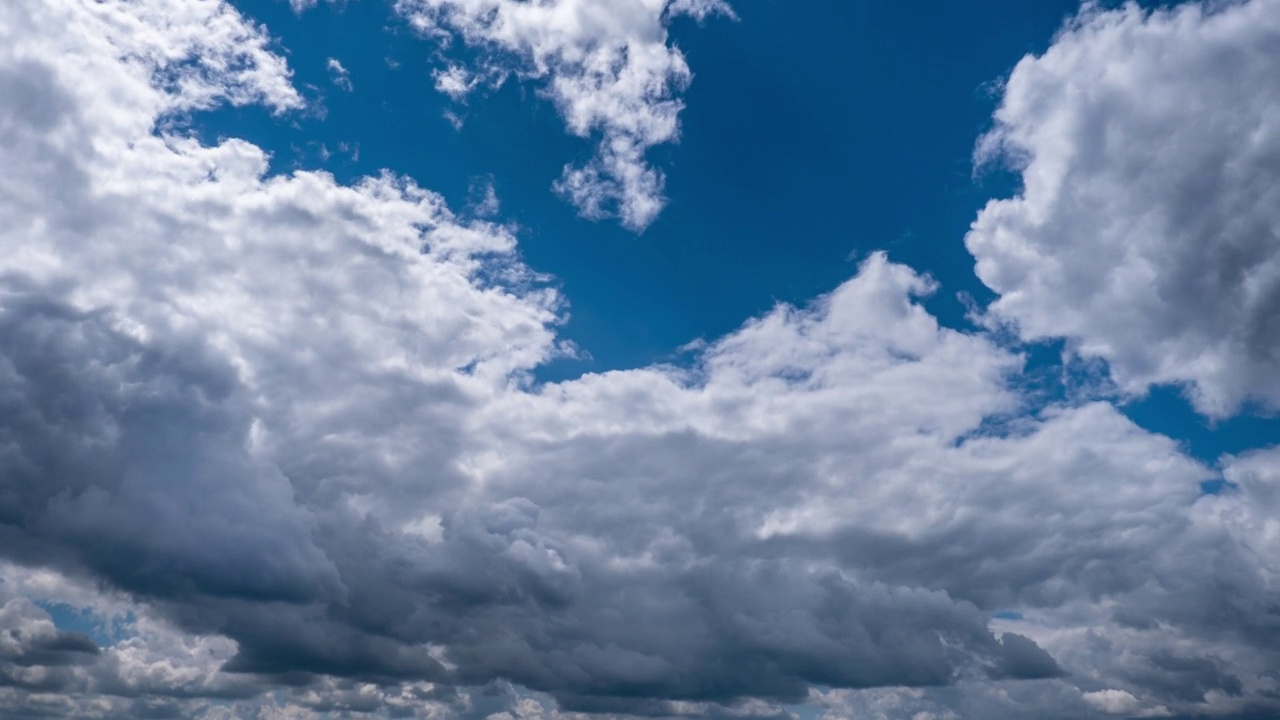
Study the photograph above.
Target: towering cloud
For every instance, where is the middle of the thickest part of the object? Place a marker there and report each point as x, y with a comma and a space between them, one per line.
1148, 227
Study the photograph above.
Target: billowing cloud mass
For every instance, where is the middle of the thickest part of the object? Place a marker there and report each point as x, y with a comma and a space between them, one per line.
1148, 227
607, 64
273, 443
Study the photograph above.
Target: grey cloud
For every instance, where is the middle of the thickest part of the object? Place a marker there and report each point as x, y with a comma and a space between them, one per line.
744, 628
62, 648
1188, 678
111, 476
1022, 659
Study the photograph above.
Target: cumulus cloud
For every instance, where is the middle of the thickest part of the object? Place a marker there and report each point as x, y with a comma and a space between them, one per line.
607, 64
1148, 227
149, 665
279, 436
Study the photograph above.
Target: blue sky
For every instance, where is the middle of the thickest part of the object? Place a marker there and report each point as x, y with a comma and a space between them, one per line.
837, 141
804, 147
551, 359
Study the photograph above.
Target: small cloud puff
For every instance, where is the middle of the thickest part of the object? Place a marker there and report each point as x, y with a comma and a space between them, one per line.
339, 75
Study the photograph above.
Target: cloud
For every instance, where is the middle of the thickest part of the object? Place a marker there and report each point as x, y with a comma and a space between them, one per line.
49, 672
279, 435
607, 65
301, 6
455, 81
1148, 227
1112, 702
340, 76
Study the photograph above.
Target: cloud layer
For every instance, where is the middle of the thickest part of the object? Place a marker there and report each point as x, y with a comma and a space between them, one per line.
276, 437
1148, 226
608, 66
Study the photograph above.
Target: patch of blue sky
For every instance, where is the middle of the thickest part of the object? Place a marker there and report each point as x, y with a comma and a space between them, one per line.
105, 631
804, 147
1217, 487
1166, 410
805, 712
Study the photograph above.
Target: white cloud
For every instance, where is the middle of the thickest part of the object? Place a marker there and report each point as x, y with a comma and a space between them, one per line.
340, 76
1148, 227
608, 66
455, 81
1112, 702
1249, 511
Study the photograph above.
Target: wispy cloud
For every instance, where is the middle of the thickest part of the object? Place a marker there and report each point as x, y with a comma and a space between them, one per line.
339, 75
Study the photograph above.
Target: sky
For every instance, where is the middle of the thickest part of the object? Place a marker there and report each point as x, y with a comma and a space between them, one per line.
576, 359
